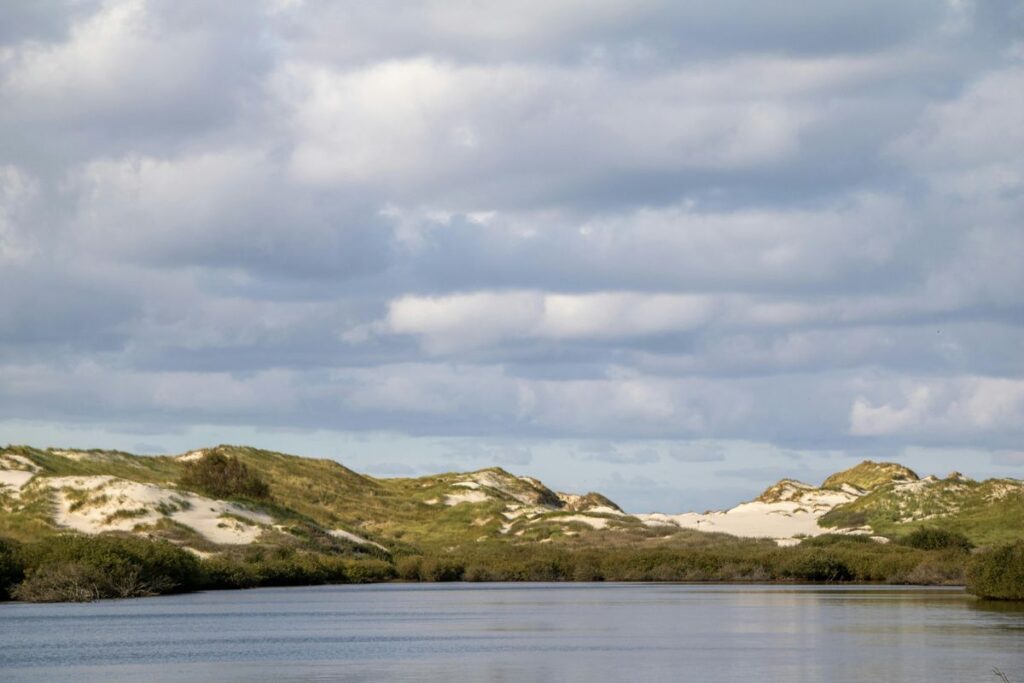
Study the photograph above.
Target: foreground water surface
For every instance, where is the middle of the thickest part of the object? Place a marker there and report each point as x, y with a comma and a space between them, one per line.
520, 632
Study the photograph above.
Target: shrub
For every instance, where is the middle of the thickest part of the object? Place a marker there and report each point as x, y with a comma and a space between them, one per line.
223, 476
930, 538
368, 571
88, 568
222, 573
441, 569
998, 573
835, 539
71, 582
301, 570
939, 569
407, 568
11, 571
478, 573
292, 569
817, 565
587, 569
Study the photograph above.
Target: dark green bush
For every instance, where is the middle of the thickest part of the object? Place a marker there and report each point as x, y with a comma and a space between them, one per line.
292, 569
835, 539
88, 568
930, 538
223, 476
407, 568
816, 565
939, 568
441, 569
369, 571
76, 582
11, 570
998, 573
223, 573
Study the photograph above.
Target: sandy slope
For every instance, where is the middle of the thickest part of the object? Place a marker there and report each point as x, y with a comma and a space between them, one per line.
349, 536
593, 522
467, 497
16, 471
103, 503
784, 521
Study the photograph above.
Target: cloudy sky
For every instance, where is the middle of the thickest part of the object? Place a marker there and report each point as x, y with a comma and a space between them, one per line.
669, 250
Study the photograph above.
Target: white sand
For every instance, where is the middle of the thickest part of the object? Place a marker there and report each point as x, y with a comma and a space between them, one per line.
516, 511
15, 479
108, 495
569, 499
605, 510
1005, 488
912, 486
593, 522
349, 536
784, 521
16, 471
72, 455
191, 456
467, 497
576, 502
503, 484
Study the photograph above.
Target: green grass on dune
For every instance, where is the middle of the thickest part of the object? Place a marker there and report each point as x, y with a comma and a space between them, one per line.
869, 475
986, 512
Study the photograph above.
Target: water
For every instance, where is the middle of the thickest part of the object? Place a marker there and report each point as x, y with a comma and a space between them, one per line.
519, 632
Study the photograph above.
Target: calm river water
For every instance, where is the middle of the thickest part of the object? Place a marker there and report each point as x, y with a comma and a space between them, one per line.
519, 632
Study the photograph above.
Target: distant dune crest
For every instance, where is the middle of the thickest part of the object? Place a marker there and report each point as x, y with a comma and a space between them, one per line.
315, 501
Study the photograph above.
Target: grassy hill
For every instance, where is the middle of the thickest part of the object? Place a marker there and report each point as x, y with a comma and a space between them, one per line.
986, 512
305, 520
869, 475
309, 498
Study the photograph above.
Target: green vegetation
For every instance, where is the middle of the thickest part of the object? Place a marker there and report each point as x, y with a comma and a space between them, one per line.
77, 568
987, 512
223, 476
869, 475
80, 568
327, 524
11, 568
718, 560
998, 573
292, 569
145, 469
930, 538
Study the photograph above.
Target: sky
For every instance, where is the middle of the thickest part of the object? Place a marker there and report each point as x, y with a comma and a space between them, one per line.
671, 251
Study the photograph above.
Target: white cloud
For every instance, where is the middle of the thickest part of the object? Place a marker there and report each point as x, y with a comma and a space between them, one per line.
465, 321
979, 126
117, 62
679, 246
957, 407
418, 124
146, 206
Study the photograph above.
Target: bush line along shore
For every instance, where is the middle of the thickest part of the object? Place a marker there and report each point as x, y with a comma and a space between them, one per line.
81, 568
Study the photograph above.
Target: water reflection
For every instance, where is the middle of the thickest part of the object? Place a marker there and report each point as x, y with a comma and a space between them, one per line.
571, 632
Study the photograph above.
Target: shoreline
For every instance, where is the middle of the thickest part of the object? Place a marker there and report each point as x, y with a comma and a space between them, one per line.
865, 585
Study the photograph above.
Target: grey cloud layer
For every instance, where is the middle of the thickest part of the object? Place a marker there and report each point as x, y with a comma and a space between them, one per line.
611, 220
